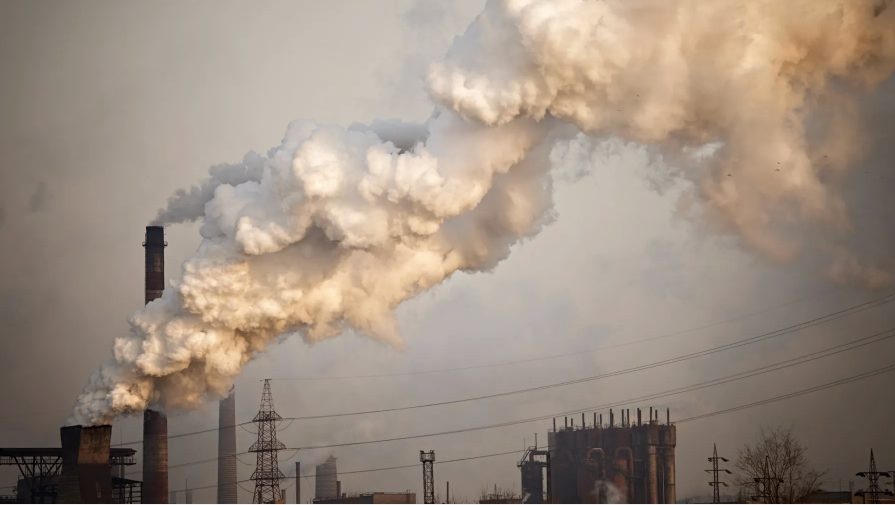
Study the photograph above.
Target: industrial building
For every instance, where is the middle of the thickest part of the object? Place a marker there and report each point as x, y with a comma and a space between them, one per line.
326, 480
624, 462
377, 497
84, 470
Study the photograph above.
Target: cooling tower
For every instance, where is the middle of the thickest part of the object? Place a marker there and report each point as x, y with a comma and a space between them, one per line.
155, 423
86, 472
227, 449
326, 485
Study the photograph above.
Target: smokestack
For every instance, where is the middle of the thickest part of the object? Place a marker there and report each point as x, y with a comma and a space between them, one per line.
297, 482
155, 262
326, 479
155, 423
227, 449
86, 471
155, 457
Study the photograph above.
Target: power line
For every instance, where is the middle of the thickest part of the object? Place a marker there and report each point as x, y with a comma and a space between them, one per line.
813, 356
794, 394
816, 321
554, 356
382, 469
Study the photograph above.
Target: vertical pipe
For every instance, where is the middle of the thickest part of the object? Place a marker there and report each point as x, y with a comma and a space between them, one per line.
447, 491
595, 420
653, 482
670, 490
298, 482
582, 421
638, 417
227, 449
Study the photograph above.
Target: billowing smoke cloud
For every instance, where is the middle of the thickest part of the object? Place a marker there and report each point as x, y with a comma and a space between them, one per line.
336, 227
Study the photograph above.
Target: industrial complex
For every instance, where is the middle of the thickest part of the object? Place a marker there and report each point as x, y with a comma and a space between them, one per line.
627, 458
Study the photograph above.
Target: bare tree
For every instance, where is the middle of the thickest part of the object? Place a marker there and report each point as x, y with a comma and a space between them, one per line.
780, 458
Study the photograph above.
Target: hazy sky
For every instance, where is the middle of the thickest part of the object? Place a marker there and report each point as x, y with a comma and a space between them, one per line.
108, 107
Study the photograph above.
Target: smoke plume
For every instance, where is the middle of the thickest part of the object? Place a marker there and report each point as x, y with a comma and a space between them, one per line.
335, 227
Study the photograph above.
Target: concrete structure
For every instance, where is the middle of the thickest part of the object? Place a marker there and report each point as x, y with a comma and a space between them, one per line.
628, 462
377, 497
155, 457
155, 423
86, 471
326, 480
227, 449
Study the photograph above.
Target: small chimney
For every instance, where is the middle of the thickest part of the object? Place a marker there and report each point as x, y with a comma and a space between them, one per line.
86, 475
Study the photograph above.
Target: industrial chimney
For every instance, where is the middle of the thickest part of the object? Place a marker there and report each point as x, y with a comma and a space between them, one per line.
155, 423
227, 449
86, 475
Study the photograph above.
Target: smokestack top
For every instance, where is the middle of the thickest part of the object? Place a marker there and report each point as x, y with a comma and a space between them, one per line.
155, 237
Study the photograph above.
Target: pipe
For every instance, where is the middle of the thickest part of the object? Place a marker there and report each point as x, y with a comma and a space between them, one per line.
670, 489
652, 489
638, 417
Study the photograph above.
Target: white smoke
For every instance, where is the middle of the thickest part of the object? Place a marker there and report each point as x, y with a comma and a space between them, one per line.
336, 227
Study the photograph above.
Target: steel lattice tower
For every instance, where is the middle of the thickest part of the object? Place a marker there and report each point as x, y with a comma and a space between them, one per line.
428, 461
267, 473
873, 491
715, 483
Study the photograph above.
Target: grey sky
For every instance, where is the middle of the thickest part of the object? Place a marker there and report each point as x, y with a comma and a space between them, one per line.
108, 107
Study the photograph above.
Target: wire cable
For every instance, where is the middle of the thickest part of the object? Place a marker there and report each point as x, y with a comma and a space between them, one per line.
806, 358
696, 354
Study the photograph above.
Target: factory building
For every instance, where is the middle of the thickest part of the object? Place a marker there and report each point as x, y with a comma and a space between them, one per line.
619, 462
84, 470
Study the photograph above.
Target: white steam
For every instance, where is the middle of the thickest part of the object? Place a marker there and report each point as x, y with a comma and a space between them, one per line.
336, 227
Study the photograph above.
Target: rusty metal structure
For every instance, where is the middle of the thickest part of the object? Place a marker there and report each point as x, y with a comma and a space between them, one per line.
534, 465
40, 469
625, 462
227, 449
155, 423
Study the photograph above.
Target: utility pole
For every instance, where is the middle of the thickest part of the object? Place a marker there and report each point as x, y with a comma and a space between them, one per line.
873, 491
715, 483
267, 472
428, 461
763, 483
